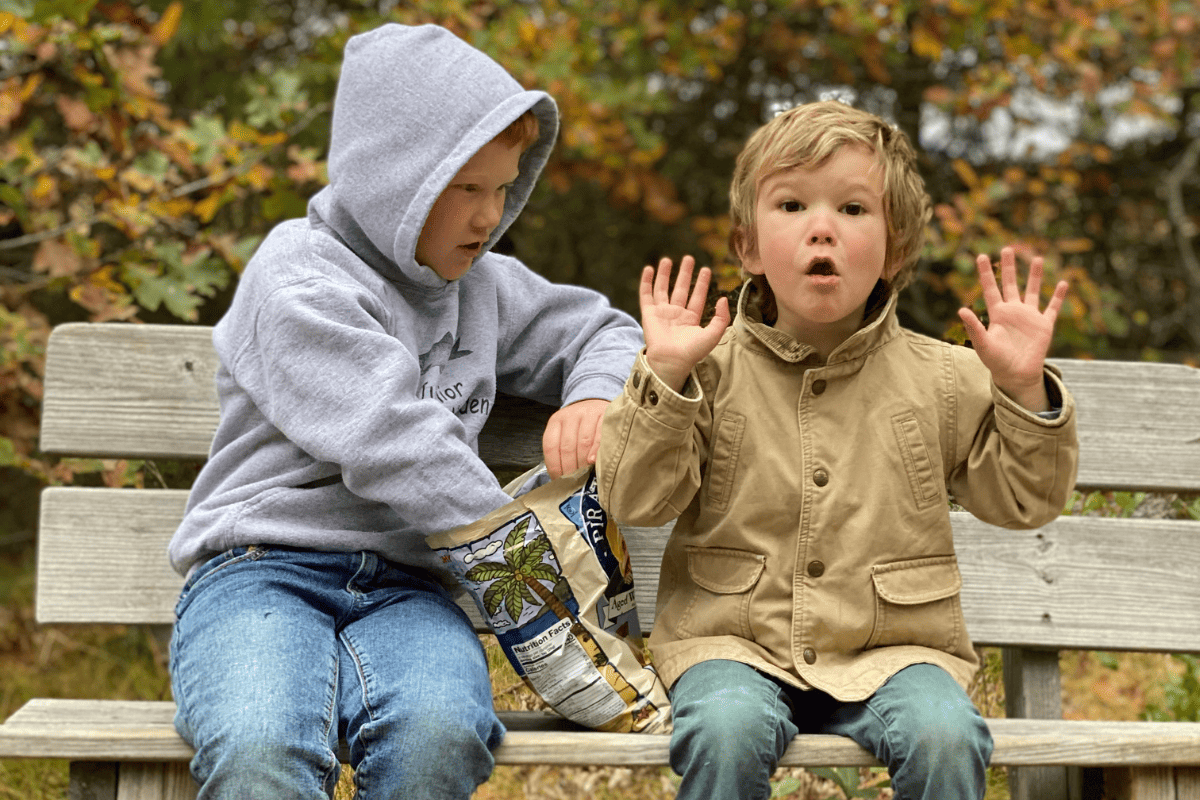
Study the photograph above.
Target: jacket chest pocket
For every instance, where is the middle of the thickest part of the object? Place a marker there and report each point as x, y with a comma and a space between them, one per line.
917, 603
716, 601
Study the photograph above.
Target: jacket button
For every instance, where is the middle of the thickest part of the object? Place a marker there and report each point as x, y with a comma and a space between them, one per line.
818, 386
816, 569
637, 379
652, 396
820, 477
810, 656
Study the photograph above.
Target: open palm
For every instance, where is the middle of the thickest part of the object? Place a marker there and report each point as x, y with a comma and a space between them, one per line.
675, 339
1014, 343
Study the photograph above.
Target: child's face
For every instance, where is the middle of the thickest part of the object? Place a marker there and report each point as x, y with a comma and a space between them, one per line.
467, 211
821, 244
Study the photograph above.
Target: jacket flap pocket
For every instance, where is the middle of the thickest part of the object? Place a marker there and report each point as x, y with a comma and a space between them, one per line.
921, 580
724, 571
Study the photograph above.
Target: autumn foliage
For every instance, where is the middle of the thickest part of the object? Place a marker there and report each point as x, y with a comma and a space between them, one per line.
147, 149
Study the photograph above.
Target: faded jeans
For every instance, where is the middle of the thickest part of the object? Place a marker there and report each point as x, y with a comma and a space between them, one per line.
732, 724
278, 652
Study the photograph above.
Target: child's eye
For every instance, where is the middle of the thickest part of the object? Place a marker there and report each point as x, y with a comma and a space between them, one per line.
854, 209
791, 206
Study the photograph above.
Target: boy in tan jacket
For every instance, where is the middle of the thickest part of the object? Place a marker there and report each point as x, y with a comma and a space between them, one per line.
809, 450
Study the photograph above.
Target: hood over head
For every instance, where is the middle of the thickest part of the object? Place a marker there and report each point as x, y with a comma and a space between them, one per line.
413, 104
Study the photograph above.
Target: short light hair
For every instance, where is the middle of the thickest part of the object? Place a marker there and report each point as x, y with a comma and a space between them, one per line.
805, 136
521, 132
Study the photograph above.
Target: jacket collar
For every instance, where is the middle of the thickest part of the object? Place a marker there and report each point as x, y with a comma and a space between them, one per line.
882, 326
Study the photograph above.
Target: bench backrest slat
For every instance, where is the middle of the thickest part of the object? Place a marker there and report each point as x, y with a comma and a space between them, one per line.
146, 391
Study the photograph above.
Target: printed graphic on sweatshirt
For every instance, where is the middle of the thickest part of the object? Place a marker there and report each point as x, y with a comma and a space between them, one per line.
444, 351
452, 396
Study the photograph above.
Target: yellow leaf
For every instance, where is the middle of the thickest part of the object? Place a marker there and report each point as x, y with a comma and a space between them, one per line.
168, 24
1079, 245
259, 176
206, 209
241, 132
966, 173
31, 85
926, 45
43, 187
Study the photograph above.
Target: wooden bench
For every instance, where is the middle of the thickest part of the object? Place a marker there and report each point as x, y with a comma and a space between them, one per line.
146, 392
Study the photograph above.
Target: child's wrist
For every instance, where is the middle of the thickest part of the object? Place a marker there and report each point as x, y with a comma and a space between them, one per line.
1031, 396
674, 376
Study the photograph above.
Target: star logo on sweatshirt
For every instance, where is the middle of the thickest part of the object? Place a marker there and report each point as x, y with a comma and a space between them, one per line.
443, 351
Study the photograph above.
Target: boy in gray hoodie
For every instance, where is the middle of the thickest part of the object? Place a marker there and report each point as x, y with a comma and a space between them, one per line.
359, 359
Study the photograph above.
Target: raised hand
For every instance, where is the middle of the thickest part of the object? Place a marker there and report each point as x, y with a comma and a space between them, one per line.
675, 339
1014, 344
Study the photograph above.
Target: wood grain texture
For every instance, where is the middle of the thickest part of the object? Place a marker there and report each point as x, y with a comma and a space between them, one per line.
118, 730
1080, 582
146, 391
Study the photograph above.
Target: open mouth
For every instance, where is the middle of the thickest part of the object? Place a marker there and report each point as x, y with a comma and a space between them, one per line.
821, 266
473, 248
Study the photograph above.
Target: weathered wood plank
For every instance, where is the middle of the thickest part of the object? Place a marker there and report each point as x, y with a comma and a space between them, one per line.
156, 780
102, 558
1033, 690
1138, 426
146, 391
140, 731
1187, 783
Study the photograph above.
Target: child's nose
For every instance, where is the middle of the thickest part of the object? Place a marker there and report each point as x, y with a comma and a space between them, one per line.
489, 213
821, 230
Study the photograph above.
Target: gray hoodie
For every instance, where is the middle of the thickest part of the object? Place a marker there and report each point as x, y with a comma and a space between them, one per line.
353, 381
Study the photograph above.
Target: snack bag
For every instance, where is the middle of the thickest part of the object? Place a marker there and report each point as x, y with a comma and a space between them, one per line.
551, 575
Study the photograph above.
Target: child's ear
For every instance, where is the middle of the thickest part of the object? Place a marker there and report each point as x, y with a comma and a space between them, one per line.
741, 246
892, 270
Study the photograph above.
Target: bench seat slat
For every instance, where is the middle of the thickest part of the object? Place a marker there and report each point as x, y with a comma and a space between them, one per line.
117, 730
146, 391
1028, 588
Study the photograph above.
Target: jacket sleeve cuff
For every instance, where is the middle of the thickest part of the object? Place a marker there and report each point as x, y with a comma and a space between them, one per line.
651, 396
1062, 405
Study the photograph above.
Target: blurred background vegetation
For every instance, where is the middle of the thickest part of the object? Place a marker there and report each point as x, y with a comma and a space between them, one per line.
147, 147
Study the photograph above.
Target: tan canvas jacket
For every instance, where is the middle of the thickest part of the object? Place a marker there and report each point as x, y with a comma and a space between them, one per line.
813, 538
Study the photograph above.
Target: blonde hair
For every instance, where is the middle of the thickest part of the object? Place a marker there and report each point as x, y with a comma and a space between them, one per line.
805, 136
521, 132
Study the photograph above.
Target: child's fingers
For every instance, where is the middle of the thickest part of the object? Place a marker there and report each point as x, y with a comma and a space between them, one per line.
974, 327
1008, 275
683, 281
700, 293
987, 281
1056, 301
1033, 284
662, 280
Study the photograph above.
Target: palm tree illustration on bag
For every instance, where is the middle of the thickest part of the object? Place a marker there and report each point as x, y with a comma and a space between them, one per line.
520, 576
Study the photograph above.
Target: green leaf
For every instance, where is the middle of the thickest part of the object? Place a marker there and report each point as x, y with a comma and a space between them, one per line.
492, 597
543, 572
488, 571
512, 600
531, 554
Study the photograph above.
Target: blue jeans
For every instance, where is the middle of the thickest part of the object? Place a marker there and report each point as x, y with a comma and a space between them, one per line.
732, 724
277, 653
